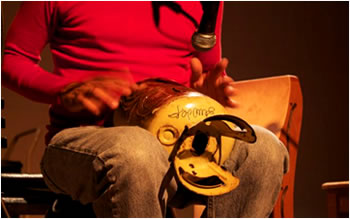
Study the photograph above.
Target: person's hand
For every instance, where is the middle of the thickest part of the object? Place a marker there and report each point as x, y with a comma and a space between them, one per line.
95, 95
213, 83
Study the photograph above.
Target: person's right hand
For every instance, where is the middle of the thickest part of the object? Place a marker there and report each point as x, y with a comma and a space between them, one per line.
95, 95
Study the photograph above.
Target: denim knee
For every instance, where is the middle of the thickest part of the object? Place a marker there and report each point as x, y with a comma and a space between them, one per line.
135, 165
267, 152
270, 150
260, 167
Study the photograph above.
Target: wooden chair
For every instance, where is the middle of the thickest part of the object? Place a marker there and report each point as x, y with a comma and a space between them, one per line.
276, 104
337, 198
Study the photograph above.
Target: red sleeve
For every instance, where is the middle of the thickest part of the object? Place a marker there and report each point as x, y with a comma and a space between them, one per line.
213, 56
29, 33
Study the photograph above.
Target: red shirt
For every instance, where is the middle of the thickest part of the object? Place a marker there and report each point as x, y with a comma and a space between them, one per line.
87, 38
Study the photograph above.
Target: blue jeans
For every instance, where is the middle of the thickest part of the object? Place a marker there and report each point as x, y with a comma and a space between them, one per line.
120, 169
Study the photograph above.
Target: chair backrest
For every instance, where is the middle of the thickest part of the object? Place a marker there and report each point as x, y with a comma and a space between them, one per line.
275, 103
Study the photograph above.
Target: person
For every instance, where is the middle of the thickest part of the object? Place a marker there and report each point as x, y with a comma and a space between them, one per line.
100, 49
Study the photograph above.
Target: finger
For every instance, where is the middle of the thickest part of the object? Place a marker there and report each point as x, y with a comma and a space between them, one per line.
134, 87
89, 105
121, 91
197, 70
122, 82
110, 101
229, 90
198, 85
226, 79
231, 103
141, 86
217, 71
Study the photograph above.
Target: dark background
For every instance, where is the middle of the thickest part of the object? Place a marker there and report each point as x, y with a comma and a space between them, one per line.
307, 39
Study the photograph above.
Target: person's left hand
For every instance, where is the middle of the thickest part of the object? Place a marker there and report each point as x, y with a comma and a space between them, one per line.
213, 83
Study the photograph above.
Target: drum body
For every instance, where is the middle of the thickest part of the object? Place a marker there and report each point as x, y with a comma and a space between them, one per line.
188, 125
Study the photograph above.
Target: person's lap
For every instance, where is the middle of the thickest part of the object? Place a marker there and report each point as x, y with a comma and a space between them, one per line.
120, 169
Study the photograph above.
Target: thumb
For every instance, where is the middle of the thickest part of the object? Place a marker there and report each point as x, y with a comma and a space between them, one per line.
197, 69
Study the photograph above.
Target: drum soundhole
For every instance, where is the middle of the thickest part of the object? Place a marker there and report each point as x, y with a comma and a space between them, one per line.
200, 142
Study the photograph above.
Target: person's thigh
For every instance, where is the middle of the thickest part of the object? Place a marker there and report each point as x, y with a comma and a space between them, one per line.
82, 162
260, 168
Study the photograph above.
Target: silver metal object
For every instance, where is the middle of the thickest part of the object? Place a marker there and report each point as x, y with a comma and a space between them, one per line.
203, 42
